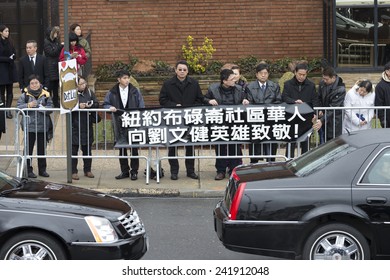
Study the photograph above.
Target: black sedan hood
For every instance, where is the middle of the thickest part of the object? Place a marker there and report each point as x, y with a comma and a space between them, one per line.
60, 198
263, 171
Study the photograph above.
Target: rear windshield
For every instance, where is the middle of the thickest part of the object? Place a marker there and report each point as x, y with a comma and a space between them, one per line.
320, 157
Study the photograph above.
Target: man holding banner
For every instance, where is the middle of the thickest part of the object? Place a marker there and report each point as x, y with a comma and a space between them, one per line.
181, 90
121, 97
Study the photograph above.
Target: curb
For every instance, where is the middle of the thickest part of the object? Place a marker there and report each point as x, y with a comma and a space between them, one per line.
159, 192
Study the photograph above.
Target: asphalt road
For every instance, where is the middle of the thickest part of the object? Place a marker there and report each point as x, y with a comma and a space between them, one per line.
182, 229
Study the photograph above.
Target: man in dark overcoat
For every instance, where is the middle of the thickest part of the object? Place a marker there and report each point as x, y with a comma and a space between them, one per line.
181, 90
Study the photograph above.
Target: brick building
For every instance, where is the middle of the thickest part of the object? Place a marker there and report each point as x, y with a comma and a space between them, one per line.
156, 29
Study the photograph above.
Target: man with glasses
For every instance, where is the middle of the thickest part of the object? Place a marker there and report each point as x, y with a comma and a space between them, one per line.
227, 92
183, 91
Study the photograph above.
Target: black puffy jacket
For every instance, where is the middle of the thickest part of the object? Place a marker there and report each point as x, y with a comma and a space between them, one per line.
52, 49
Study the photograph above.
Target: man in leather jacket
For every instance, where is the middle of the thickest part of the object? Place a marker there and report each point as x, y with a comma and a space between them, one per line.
227, 92
331, 93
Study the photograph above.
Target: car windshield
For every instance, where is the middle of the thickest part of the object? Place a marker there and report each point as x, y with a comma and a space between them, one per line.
320, 157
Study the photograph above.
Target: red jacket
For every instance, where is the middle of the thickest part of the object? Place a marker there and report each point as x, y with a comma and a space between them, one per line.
81, 58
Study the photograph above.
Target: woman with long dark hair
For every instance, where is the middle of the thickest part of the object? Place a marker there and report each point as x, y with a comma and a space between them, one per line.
75, 51
7, 69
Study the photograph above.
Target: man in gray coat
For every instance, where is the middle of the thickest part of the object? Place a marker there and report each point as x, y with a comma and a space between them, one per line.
263, 91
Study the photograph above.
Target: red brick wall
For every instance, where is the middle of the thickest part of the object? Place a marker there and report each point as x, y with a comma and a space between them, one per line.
156, 29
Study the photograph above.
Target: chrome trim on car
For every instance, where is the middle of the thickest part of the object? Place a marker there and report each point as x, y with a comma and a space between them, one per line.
132, 223
367, 167
93, 242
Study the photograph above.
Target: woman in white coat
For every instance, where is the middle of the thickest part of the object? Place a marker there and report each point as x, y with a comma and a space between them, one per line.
360, 95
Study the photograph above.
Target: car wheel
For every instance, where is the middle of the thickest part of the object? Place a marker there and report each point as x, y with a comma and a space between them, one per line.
32, 246
336, 242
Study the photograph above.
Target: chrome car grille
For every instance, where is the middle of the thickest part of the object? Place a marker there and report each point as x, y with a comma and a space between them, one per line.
132, 223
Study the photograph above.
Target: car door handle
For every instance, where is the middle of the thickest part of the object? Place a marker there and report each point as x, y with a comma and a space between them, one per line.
376, 200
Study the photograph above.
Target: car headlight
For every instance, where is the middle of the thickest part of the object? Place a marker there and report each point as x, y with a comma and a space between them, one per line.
102, 229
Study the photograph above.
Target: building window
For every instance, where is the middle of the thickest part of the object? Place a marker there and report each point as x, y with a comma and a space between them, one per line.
362, 33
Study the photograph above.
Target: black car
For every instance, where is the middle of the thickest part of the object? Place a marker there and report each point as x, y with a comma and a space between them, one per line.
47, 221
348, 28
333, 202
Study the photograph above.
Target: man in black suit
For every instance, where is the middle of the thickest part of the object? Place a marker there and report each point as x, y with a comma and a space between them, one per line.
32, 63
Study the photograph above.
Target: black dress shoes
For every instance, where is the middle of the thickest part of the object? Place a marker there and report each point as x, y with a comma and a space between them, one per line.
193, 176
122, 176
44, 174
9, 115
220, 176
174, 177
31, 175
133, 176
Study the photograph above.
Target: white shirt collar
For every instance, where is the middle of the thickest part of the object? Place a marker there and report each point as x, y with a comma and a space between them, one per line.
124, 95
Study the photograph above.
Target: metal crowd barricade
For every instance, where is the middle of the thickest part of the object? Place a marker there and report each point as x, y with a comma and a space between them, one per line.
102, 147
13, 145
375, 123
312, 137
209, 152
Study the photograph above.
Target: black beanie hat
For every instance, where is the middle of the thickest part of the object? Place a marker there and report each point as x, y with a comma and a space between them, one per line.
73, 37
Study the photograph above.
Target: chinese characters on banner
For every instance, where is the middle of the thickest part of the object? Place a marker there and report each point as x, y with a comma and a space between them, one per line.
203, 125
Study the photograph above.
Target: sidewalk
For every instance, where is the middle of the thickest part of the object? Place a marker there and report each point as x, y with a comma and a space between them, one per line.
105, 171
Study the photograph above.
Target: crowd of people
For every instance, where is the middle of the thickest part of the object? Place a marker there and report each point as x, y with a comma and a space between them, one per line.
38, 78
39, 84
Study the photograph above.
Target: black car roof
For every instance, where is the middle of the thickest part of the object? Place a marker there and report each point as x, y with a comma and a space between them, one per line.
367, 137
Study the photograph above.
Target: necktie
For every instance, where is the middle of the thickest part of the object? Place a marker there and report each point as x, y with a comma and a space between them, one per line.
32, 62
262, 88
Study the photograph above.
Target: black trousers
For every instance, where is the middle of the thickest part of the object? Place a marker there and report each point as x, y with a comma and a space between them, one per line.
53, 89
41, 150
304, 148
221, 164
134, 162
174, 163
10, 95
87, 151
266, 149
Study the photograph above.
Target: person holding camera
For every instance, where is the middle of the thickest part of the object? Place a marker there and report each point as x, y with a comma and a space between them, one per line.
82, 128
39, 125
